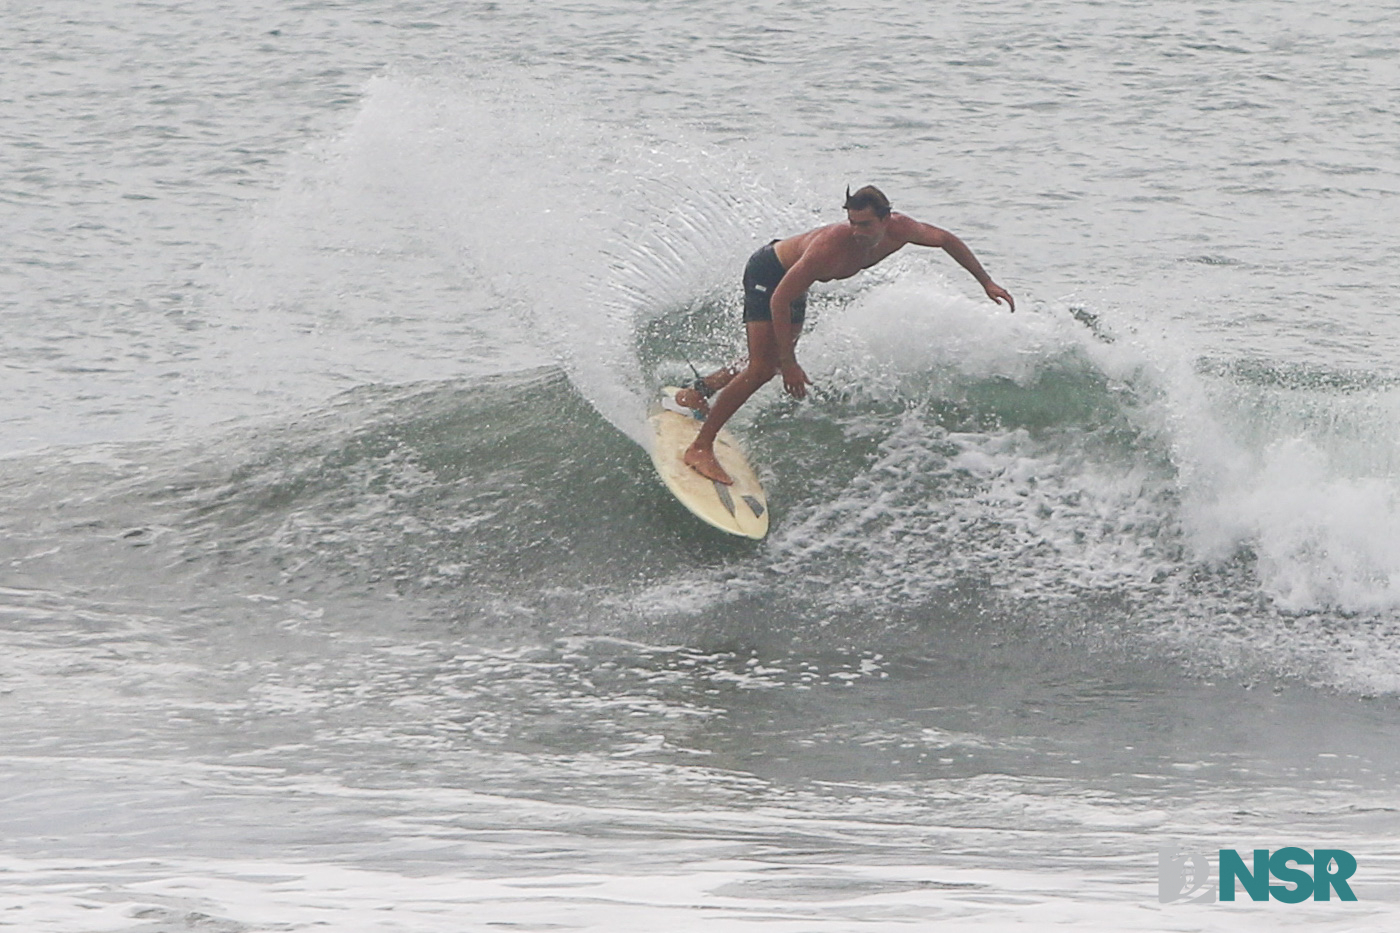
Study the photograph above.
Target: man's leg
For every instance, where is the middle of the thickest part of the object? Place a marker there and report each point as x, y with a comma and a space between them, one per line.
762, 366
692, 397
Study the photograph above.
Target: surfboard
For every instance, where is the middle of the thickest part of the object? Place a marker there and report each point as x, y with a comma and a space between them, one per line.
741, 509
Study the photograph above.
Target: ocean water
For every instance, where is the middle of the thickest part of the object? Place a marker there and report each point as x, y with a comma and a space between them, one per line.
336, 588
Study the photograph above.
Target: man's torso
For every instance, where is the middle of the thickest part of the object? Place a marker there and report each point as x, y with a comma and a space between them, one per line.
847, 257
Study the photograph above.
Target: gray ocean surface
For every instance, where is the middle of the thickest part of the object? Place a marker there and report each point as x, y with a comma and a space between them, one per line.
337, 591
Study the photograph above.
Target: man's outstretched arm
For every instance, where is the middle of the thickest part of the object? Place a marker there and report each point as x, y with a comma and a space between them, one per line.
929, 235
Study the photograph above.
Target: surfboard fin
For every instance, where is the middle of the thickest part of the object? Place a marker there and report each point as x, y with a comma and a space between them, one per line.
724, 497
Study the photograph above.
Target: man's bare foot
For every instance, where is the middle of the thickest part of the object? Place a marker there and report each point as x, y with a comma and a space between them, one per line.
690, 398
704, 463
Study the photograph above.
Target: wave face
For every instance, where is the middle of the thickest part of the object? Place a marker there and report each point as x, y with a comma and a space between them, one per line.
961, 472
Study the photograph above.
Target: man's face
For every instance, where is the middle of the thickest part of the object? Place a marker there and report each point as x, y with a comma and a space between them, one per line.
866, 226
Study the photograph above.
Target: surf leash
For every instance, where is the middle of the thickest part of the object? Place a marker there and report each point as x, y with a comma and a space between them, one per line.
700, 385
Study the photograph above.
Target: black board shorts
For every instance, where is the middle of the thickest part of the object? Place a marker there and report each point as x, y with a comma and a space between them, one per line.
761, 276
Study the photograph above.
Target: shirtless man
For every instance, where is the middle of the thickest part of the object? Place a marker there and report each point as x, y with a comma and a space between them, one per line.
776, 280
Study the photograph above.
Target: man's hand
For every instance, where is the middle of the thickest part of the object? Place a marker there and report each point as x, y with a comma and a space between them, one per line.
997, 293
795, 381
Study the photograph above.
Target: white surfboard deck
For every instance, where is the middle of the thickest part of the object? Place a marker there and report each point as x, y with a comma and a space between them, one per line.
740, 509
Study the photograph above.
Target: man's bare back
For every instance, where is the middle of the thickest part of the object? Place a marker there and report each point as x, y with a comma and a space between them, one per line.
838, 252
775, 286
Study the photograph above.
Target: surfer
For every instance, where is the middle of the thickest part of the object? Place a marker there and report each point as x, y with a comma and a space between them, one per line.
776, 280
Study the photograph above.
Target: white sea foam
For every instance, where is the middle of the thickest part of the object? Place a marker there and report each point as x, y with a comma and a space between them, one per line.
913, 321
1220, 468
802, 863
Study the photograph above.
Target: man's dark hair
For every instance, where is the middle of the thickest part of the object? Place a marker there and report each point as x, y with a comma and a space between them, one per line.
868, 197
